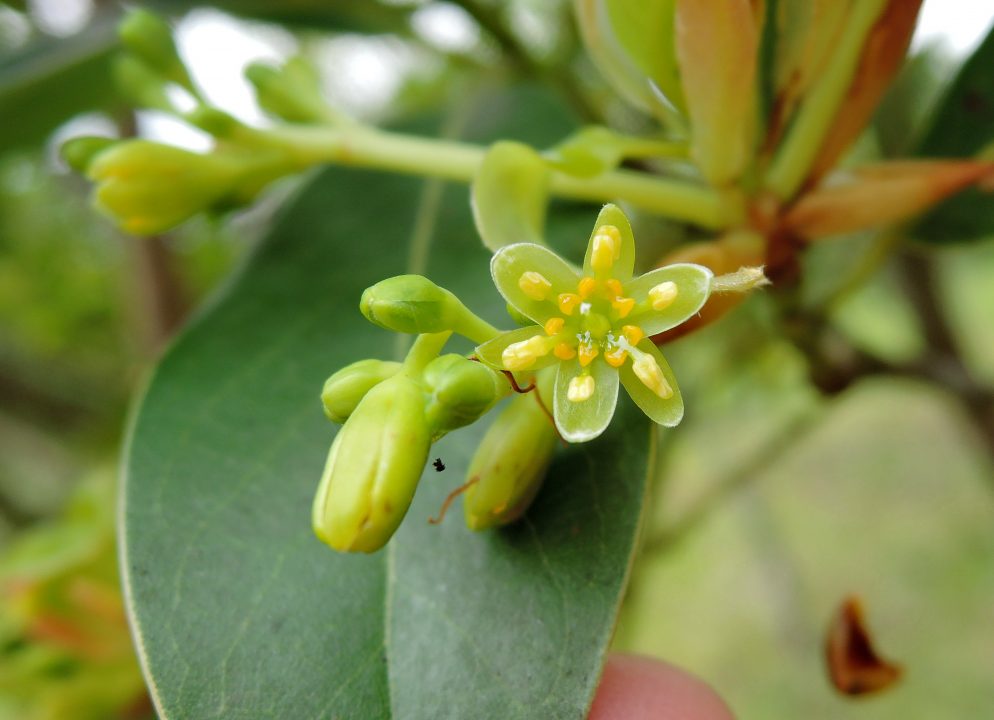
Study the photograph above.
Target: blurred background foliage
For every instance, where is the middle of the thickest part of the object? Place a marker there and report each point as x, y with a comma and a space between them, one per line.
773, 501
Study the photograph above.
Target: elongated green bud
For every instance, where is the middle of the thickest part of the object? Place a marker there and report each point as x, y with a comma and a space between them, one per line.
411, 304
148, 187
461, 391
150, 38
143, 87
373, 468
80, 152
291, 92
509, 465
346, 388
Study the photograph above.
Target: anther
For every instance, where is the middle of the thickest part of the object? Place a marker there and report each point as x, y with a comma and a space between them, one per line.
564, 351
587, 353
580, 388
586, 287
663, 295
616, 357
633, 333
567, 302
522, 355
553, 326
647, 370
606, 248
534, 285
623, 305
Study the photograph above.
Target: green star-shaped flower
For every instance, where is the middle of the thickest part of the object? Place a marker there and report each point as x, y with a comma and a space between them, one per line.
597, 325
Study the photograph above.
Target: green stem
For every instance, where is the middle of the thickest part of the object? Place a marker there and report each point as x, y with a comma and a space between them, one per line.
426, 348
452, 160
476, 328
799, 150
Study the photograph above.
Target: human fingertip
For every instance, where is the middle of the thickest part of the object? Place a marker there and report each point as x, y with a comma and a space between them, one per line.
641, 688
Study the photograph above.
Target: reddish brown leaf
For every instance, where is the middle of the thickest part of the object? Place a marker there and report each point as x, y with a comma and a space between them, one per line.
882, 57
854, 666
879, 195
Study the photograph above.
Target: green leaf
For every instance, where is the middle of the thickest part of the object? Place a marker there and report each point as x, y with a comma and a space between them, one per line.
510, 194
962, 125
53, 79
239, 611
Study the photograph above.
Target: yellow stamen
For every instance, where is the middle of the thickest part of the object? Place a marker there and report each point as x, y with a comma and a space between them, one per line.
564, 351
568, 302
614, 286
587, 354
633, 333
522, 355
587, 287
616, 357
554, 326
647, 370
606, 248
534, 285
623, 305
663, 295
580, 388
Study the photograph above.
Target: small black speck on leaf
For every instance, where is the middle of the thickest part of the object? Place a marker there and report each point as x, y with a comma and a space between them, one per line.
439, 465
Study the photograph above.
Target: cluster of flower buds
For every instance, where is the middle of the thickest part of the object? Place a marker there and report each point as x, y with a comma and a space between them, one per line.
586, 332
148, 187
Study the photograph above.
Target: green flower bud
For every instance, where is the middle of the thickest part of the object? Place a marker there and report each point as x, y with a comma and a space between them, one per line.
346, 388
411, 304
461, 391
211, 120
291, 92
142, 86
373, 468
80, 152
509, 465
147, 187
150, 38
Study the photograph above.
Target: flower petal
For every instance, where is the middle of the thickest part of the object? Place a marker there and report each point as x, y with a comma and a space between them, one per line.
625, 264
669, 411
693, 285
585, 420
492, 351
511, 262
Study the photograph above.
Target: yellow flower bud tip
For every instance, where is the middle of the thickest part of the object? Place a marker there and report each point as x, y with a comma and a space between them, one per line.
580, 388
623, 306
633, 333
534, 285
662, 295
587, 353
647, 370
616, 356
554, 326
567, 302
606, 248
586, 287
522, 355
564, 351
